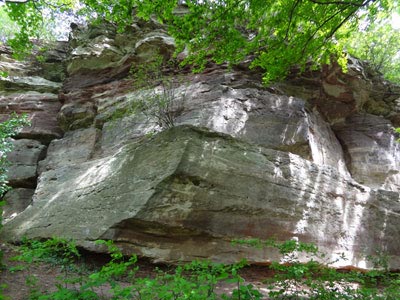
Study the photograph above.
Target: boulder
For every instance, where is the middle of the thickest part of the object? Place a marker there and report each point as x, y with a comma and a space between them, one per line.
166, 195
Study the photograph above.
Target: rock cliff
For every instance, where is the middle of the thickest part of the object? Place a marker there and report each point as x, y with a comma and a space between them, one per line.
313, 158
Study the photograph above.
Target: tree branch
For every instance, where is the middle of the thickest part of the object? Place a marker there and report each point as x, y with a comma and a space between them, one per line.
350, 3
322, 25
15, 1
33, 1
291, 18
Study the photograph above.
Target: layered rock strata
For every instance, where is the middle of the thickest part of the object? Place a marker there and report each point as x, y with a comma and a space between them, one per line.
31, 87
313, 158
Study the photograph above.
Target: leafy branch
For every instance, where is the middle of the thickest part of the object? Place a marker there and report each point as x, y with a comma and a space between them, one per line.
276, 34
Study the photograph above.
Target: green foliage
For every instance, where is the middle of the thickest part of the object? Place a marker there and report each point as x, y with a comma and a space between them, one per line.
314, 280
117, 12
278, 34
195, 281
198, 280
159, 97
378, 43
116, 268
22, 22
28, 20
8, 28
3, 74
275, 34
56, 251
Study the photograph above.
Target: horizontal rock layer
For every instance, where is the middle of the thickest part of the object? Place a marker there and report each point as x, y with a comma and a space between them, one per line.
30, 87
164, 196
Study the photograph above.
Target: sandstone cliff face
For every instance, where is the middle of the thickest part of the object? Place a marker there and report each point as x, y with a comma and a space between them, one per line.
31, 87
313, 158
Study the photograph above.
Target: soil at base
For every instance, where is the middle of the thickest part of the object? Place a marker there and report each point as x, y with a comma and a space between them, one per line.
16, 285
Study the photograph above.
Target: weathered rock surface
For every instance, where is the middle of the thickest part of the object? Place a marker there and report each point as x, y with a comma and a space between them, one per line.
24, 159
110, 56
42, 110
17, 200
31, 87
52, 62
16, 83
46, 66
167, 195
372, 150
28, 89
228, 103
30, 75
338, 95
76, 147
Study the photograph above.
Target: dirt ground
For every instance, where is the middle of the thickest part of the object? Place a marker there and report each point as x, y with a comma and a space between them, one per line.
17, 288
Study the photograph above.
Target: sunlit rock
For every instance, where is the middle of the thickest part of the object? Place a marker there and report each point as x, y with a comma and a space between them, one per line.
74, 148
226, 103
34, 83
188, 187
372, 150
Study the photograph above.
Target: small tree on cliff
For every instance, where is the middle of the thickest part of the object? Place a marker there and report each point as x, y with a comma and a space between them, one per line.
275, 34
161, 99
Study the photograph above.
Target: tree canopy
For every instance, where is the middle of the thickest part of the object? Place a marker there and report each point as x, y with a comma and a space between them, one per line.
378, 43
275, 34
